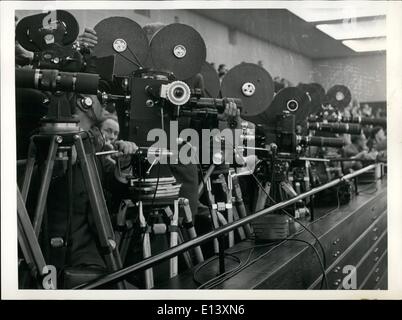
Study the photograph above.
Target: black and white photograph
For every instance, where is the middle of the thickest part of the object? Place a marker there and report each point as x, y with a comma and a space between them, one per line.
238, 147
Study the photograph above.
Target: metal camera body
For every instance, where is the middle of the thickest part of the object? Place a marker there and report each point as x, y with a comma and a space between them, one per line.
50, 36
282, 140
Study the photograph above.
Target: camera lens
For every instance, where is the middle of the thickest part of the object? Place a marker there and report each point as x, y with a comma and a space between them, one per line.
178, 92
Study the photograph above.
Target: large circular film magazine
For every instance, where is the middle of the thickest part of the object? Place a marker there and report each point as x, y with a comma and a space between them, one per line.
179, 49
30, 31
253, 85
316, 94
290, 99
126, 40
338, 96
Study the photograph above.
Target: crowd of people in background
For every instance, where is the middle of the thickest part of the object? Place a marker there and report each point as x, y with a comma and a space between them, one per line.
371, 144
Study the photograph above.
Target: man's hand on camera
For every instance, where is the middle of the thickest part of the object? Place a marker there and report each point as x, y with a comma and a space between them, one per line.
88, 39
231, 114
126, 149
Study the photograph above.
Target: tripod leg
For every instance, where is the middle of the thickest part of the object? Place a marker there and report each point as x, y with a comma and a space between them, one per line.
262, 197
125, 245
146, 246
240, 230
28, 170
121, 223
44, 188
180, 239
30, 246
291, 193
241, 209
99, 209
205, 179
212, 205
188, 224
229, 206
288, 189
173, 230
124, 229
221, 218
186, 254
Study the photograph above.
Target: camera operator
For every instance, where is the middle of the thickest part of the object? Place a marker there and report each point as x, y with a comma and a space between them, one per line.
80, 227
377, 139
377, 143
110, 130
222, 70
357, 149
353, 109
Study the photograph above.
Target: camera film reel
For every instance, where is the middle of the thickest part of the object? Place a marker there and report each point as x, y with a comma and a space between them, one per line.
338, 96
253, 85
179, 49
290, 99
124, 40
316, 94
40, 31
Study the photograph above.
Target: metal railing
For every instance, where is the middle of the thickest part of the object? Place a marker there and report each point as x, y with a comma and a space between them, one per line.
172, 252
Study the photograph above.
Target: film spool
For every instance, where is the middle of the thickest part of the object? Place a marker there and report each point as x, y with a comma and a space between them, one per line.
212, 84
290, 99
33, 35
316, 94
338, 96
123, 38
178, 48
253, 85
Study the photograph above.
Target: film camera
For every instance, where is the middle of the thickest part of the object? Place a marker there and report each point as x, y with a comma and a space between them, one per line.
152, 82
326, 112
282, 127
149, 81
64, 74
59, 63
51, 37
282, 144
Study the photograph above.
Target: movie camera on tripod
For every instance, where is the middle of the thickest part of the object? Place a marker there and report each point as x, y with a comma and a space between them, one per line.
282, 144
150, 83
59, 135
